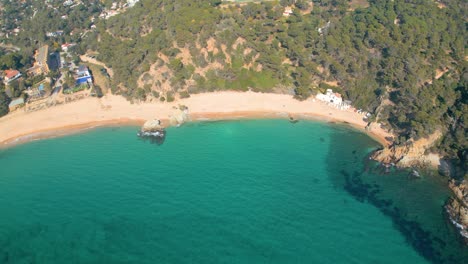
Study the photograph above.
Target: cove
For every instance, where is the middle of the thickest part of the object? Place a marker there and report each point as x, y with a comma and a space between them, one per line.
259, 191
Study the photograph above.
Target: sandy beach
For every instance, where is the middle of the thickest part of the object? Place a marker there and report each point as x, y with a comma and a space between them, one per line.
21, 126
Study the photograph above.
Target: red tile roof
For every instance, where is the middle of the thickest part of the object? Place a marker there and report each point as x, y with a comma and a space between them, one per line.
11, 73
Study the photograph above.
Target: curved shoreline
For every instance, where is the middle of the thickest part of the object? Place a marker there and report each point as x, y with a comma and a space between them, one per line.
20, 127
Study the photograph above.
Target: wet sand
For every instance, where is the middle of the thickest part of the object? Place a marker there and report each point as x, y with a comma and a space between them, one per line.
21, 126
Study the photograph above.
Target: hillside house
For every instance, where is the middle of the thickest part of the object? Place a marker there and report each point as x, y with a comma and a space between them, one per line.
36, 92
41, 66
287, 11
54, 34
83, 76
10, 75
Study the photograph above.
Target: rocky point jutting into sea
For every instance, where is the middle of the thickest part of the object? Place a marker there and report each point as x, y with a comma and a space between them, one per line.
410, 154
457, 207
155, 130
414, 154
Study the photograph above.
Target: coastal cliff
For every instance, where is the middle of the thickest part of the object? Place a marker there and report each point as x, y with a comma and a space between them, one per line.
457, 207
412, 153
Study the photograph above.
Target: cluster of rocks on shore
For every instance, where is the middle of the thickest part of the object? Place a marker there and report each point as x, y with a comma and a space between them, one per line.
410, 154
413, 155
155, 131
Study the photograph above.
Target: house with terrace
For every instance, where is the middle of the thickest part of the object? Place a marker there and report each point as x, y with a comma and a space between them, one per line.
83, 76
334, 99
10, 75
41, 66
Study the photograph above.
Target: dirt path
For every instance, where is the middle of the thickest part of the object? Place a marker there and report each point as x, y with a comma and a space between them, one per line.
85, 58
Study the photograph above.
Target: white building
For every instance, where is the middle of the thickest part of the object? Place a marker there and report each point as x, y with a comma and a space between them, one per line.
334, 99
330, 97
287, 11
67, 46
131, 3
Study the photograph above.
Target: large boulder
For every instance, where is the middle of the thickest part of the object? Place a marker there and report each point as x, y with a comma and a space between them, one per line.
152, 126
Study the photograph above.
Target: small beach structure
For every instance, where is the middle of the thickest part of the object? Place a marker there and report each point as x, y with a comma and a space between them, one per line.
334, 99
67, 46
15, 104
330, 97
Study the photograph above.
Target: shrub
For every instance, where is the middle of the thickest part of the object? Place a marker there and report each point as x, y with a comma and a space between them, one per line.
184, 94
170, 96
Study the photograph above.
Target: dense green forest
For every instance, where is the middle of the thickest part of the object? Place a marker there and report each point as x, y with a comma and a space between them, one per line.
385, 57
402, 60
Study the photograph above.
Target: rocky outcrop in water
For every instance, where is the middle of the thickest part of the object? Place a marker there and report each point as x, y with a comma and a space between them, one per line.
413, 153
152, 125
457, 207
153, 130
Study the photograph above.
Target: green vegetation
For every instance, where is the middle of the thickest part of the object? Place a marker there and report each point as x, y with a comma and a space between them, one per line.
385, 57
402, 60
77, 89
4, 102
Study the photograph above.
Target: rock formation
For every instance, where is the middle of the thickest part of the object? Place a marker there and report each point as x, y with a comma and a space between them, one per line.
457, 207
410, 154
180, 117
153, 129
152, 125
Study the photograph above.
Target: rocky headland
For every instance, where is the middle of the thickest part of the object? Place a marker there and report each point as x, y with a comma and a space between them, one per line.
414, 154
411, 154
152, 128
457, 207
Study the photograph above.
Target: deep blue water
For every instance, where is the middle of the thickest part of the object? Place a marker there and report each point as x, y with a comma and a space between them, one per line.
262, 191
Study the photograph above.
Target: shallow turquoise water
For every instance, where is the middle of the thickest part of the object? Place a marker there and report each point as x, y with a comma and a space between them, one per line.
224, 192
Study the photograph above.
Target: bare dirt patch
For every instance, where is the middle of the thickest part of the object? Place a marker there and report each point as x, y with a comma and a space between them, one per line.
211, 46
239, 41
354, 4
332, 83
184, 56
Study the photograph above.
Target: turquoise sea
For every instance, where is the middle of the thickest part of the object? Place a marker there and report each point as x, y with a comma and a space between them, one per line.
260, 191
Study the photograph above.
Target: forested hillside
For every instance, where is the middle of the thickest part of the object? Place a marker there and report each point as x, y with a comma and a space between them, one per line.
402, 60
